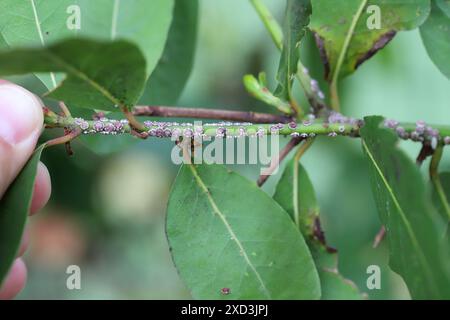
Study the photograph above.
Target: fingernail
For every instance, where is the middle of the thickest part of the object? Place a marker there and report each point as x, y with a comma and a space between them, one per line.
20, 113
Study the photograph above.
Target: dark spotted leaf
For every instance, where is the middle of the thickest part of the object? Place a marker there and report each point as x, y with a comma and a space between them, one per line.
295, 193
350, 32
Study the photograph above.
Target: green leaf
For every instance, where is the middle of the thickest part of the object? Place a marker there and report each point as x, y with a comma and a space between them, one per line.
219, 241
444, 179
296, 20
143, 22
343, 35
42, 22
295, 190
295, 181
413, 232
435, 34
100, 75
172, 72
14, 209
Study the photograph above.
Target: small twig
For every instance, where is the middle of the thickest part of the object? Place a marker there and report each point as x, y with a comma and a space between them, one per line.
134, 123
270, 22
66, 113
140, 135
279, 158
98, 115
319, 235
298, 111
64, 139
424, 153
379, 237
214, 114
185, 145
64, 109
69, 150
312, 91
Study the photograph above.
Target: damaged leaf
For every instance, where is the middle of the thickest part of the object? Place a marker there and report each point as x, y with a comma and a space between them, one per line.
295, 193
351, 32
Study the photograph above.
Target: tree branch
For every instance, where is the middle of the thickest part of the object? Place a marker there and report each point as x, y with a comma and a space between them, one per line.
69, 136
279, 158
270, 22
234, 124
379, 237
200, 113
299, 154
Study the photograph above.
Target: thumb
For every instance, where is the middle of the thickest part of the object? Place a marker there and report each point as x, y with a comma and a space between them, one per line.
21, 122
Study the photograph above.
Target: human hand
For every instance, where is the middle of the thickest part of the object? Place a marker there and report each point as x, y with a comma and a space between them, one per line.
21, 123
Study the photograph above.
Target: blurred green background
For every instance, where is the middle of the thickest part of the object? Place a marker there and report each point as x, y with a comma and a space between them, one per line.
107, 212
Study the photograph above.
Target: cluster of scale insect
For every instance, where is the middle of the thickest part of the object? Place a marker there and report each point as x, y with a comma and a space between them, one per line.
336, 118
339, 118
102, 126
315, 88
305, 123
177, 130
421, 133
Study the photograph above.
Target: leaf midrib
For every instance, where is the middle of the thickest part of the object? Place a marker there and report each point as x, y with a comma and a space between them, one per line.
222, 217
115, 16
41, 36
348, 40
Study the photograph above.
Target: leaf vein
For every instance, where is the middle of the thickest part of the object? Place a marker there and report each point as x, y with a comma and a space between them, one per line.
81, 75
115, 16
